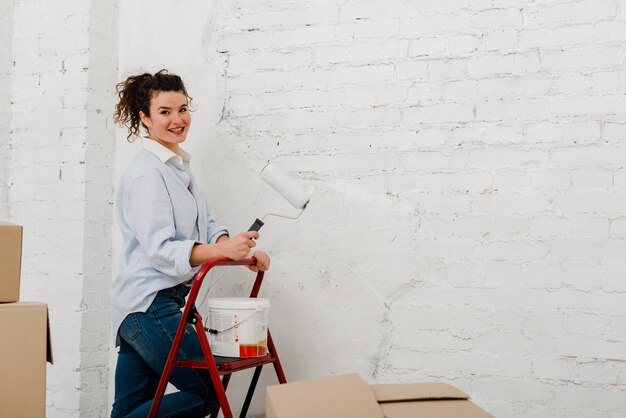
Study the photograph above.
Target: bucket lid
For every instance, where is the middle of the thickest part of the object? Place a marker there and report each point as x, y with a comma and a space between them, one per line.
238, 303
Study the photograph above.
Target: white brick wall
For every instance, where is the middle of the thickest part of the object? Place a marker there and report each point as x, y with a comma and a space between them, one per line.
465, 158
58, 170
467, 166
6, 66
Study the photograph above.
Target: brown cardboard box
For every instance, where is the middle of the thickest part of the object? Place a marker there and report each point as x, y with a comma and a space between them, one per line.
329, 397
10, 261
349, 396
24, 350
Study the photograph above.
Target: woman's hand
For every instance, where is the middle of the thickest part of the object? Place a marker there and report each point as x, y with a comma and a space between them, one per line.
237, 247
262, 261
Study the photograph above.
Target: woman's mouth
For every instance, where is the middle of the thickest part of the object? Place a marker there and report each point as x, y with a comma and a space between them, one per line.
178, 130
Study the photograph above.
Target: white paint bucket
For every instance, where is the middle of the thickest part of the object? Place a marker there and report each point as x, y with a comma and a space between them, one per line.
238, 326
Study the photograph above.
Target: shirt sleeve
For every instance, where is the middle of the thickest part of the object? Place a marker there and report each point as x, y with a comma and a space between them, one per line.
214, 231
150, 212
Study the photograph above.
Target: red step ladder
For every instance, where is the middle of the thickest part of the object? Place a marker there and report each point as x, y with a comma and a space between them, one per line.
220, 368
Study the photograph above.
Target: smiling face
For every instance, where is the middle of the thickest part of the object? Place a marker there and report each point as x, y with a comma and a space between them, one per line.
169, 119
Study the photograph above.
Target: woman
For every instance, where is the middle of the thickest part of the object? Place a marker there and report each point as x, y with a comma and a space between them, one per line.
167, 232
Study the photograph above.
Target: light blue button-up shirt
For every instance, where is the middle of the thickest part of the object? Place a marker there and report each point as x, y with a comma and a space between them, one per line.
161, 213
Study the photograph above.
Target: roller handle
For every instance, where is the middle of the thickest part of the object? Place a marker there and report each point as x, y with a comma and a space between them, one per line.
256, 225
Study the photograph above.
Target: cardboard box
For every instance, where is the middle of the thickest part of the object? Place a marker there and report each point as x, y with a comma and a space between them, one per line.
329, 397
24, 351
10, 261
349, 396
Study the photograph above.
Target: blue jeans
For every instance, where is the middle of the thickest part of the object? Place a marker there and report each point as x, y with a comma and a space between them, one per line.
145, 342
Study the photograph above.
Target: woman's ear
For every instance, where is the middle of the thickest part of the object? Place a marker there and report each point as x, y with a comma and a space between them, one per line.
145, 119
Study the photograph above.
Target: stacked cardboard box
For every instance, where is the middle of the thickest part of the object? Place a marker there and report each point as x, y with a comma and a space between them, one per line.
10, 261
25, 329
349, 396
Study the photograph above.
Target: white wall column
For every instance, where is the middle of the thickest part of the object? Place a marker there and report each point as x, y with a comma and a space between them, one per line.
59, 174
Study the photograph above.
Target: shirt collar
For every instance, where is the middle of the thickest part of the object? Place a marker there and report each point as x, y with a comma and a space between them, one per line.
165, 154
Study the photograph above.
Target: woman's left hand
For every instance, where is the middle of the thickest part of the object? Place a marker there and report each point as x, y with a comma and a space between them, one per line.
262, 261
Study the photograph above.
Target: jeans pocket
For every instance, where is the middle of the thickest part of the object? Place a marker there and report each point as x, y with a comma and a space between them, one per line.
130, 328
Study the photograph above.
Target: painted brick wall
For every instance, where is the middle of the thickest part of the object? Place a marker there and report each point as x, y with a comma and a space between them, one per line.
465, 160
59, 174
6, 64
468, 169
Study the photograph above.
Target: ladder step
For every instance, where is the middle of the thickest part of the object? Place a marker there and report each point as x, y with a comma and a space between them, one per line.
226, 363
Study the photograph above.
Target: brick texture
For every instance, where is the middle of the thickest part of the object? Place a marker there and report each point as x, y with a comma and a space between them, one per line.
467, 165
57, 162
465, 159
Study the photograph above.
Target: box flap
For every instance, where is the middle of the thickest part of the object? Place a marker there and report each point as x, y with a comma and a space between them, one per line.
458, 408
429, 400
329, 397
397, 392
16, 309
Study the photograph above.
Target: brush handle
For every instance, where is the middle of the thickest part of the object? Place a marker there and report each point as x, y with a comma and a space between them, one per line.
256, 225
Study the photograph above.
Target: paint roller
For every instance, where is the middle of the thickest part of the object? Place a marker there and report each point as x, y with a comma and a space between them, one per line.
287, 188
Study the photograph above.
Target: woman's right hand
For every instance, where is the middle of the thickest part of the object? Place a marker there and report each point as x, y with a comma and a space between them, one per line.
238, 246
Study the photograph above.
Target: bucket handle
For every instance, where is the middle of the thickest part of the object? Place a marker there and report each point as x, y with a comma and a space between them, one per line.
217, 331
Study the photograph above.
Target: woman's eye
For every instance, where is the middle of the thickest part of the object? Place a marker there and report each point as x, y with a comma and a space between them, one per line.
164, 112
183, 109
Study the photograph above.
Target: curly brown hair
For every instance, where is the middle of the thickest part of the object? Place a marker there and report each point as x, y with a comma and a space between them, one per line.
135, 94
